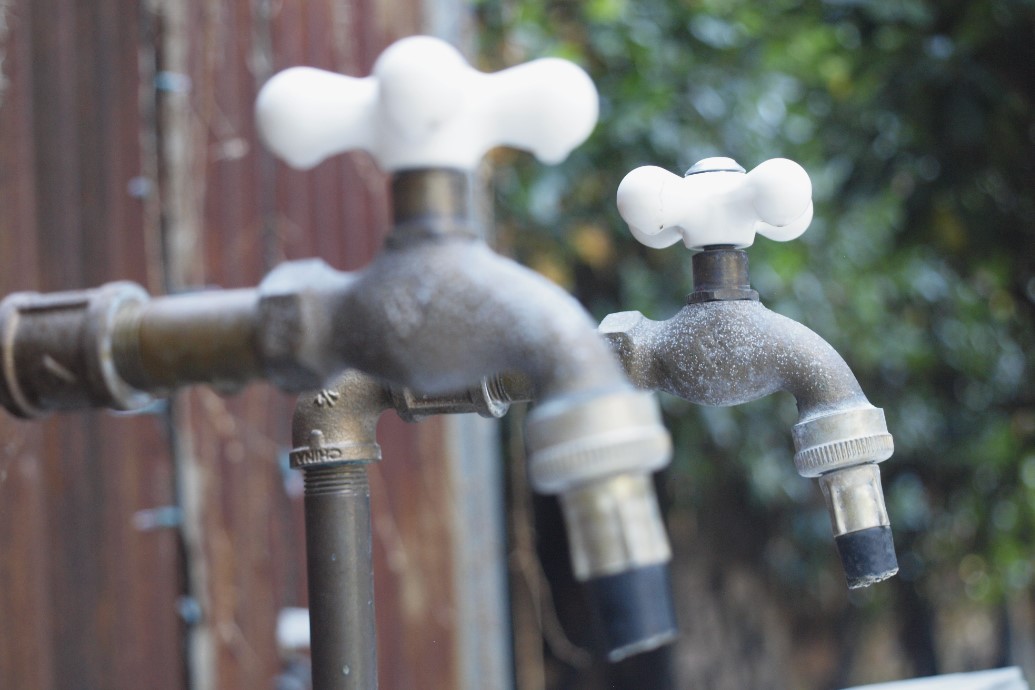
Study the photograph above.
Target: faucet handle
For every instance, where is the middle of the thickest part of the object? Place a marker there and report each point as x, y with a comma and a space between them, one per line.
424, 106
716, 203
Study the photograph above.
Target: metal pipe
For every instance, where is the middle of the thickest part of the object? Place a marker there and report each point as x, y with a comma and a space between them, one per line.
203, 337
334, 433
339, 561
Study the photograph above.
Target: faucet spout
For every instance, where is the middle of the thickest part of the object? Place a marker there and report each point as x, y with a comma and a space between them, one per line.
724, 353
725, 348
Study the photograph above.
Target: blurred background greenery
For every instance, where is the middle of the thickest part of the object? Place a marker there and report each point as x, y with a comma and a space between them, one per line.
916, 122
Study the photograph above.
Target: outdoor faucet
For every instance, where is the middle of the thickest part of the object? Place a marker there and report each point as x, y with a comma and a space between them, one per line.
725, 348
436, 311
440, 309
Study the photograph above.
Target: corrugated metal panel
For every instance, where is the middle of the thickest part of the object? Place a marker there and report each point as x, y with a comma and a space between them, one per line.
25, 657
101, 177
91, 600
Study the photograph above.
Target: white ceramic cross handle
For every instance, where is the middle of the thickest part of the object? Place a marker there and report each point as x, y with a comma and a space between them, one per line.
423, 106
717, 203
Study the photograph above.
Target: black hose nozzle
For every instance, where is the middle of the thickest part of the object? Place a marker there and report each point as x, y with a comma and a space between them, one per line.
868, 556
633, 610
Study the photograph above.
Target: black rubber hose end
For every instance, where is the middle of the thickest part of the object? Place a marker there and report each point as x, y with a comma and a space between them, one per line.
868, 556
633, 610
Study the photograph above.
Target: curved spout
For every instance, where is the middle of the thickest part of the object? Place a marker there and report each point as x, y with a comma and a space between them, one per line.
590, 436
734, 351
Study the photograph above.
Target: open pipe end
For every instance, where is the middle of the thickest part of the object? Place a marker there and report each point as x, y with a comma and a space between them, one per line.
860, 523
633, 610
868, 556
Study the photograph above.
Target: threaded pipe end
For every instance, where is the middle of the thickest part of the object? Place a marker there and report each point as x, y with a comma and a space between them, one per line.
326, 480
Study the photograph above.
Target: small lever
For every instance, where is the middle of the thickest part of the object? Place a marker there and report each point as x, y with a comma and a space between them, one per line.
423, 106
716, 203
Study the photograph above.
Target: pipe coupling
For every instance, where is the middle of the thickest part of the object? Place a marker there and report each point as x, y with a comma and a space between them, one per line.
841, 439
578, 440
58, 351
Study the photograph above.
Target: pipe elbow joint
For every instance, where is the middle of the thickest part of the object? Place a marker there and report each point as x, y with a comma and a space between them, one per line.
338, 424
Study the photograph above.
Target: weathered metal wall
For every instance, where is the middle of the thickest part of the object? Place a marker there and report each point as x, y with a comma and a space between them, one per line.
127, 151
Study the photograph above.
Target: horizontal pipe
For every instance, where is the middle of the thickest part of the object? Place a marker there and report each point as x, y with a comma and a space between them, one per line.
203, 337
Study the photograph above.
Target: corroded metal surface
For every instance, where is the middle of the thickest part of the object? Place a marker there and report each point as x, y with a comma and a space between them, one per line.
101, 176
87, 599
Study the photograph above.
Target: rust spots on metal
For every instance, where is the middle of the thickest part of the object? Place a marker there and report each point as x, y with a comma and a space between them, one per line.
127, 151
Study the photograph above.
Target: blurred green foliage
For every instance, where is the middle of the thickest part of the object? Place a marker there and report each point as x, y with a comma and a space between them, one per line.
916, 122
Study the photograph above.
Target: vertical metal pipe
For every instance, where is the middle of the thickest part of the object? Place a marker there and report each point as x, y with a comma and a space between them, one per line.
341, 580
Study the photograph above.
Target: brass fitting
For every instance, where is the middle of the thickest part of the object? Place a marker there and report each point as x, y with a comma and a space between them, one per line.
58, 351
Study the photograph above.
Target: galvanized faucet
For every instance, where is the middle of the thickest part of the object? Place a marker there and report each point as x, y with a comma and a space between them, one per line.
725, 348
440, 309
435, 312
